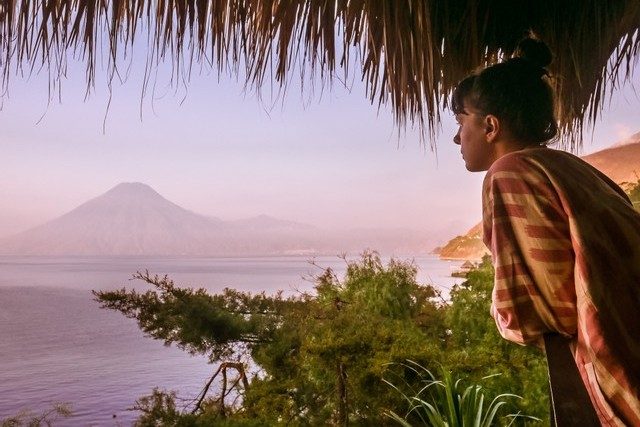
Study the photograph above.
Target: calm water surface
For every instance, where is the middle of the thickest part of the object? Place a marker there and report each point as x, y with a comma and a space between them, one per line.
56, 345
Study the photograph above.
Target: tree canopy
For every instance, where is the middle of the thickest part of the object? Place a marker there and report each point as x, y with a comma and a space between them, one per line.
323, 358
410, 53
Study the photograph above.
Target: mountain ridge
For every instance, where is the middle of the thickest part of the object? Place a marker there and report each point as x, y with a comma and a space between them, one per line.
134, 219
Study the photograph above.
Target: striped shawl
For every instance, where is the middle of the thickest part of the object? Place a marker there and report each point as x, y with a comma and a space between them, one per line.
565, 243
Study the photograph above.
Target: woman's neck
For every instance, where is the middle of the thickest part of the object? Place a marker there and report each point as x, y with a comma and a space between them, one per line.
507, 146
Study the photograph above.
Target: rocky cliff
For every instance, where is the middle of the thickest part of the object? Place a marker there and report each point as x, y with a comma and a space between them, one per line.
468, 246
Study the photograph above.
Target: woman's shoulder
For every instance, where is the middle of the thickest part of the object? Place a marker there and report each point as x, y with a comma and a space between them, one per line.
521, 171
538, 168
526, 155
537, 159
547, 166
517, 161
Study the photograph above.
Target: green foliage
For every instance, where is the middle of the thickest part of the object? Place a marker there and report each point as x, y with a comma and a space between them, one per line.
45, 418
476, 350
349, 332
444, 403
633, 191
160, 409
322, 357
196, 321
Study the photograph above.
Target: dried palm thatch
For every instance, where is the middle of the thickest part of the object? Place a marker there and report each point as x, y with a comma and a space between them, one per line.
410, 53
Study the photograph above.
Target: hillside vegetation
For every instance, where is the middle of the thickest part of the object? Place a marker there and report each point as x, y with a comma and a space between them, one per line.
468, 246
323, 358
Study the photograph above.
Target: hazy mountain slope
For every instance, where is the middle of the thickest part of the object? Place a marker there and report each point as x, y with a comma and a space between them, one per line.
133, 219
620, 162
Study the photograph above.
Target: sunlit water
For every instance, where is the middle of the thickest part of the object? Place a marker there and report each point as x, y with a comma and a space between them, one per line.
57, 345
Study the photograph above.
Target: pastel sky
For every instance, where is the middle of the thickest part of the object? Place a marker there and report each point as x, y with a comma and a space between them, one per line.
332, 159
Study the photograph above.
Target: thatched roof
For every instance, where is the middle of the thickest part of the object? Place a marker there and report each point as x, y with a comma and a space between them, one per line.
410, 53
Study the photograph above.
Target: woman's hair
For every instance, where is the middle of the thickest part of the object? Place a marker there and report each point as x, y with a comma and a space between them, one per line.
516, 92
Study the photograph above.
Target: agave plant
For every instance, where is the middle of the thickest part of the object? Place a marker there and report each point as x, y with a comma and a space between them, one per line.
444, 403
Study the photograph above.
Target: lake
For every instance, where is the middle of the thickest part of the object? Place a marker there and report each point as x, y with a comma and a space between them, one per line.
58, 346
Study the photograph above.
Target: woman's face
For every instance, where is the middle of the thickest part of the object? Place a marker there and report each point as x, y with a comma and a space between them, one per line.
472, 139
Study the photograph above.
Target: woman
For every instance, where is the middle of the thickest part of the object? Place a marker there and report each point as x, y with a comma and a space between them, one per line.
564, 238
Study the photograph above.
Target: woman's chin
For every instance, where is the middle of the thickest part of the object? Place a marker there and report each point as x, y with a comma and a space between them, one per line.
474, 168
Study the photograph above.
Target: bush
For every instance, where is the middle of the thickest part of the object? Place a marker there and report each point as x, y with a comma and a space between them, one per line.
321, 357
444, 403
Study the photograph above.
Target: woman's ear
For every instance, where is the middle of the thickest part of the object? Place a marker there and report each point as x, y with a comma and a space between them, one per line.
492, 127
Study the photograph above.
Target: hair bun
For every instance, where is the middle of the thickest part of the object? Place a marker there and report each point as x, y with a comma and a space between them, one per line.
534, 50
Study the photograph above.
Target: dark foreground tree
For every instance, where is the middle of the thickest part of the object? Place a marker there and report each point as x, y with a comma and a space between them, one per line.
322, 358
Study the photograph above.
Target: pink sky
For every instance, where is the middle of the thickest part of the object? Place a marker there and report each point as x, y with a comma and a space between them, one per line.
334, 162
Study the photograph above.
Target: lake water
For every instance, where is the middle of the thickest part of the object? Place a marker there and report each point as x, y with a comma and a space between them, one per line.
57, 345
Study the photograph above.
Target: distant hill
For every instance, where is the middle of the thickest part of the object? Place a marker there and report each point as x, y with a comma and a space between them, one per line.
620, 162
133, 219
468, 246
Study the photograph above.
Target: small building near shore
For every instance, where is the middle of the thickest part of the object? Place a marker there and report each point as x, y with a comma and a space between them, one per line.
465, 268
